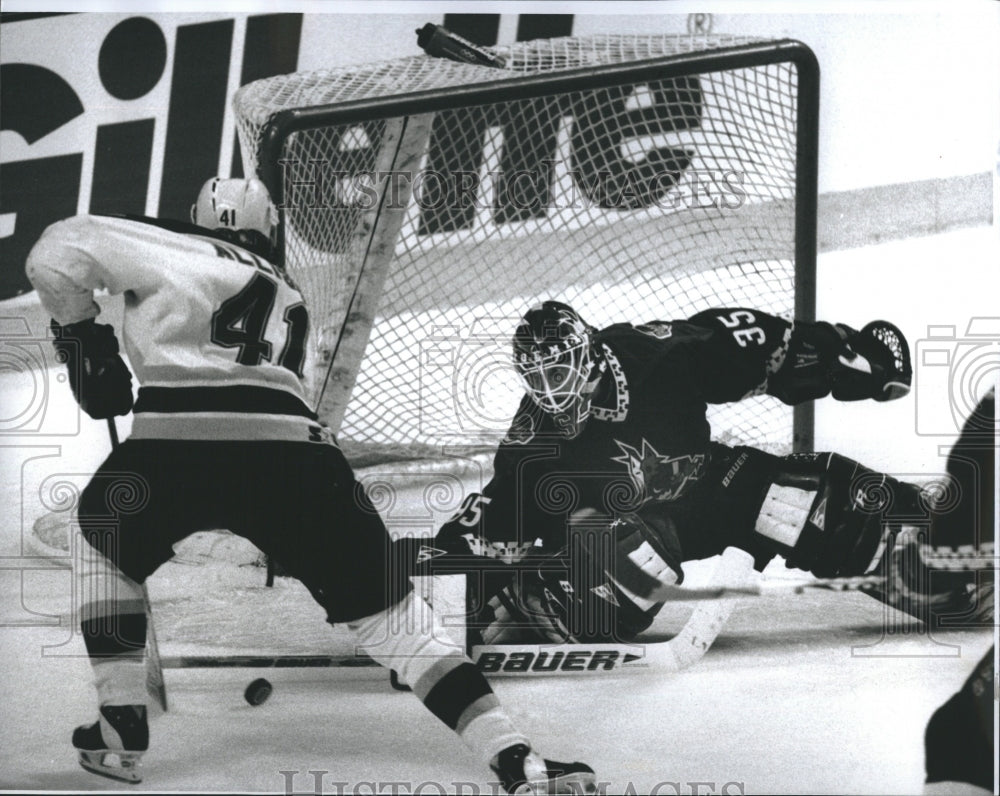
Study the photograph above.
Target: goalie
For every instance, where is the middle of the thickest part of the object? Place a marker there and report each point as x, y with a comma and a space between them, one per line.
608, 479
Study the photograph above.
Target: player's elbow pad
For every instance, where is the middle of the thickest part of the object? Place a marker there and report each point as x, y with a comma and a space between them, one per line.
57, 268
48, 250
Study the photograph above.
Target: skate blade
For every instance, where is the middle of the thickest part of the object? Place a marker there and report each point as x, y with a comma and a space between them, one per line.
121, 766
576, 784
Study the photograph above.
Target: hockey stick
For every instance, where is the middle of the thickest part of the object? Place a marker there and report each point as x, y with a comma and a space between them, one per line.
154, 666
732, 580
934, 559
505, 659
155, 684
250, 661
495, 659
683, 650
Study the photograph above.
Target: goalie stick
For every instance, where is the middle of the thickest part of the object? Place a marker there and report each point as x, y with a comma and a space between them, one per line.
731, 572
732, 579
934, 559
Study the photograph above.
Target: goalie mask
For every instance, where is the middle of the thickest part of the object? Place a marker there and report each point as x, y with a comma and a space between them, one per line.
235, 204
554, 357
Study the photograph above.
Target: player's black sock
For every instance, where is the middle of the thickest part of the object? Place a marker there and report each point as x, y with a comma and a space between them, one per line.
115, 635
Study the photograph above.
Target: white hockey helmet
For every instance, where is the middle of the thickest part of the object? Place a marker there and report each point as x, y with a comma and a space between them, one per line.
235, 204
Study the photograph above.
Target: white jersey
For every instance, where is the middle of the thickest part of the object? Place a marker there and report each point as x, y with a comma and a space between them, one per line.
214, 333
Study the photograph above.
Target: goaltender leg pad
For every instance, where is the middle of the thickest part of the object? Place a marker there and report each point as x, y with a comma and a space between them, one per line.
592, 591
831, 515
727, 510
646, 551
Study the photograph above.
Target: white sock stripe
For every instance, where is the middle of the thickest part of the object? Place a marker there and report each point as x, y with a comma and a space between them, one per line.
120, 681
409, 638
489, 733
102, 609
485, 704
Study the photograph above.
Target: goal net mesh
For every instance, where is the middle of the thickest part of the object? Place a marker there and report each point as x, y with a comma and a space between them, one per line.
630, 199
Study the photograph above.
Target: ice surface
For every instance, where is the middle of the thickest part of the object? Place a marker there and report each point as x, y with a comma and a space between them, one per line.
824, 693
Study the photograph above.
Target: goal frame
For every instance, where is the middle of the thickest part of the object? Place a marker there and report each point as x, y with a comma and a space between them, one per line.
285, 123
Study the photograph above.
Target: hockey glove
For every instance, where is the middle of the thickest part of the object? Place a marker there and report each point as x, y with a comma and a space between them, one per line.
98, 377
875, 363
932, 583
836, 514
826, 358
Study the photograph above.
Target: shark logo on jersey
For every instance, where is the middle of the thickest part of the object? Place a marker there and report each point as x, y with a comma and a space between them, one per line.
658, 477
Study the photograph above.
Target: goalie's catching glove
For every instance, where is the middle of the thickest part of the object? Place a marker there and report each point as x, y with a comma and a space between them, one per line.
874, 363
99, 378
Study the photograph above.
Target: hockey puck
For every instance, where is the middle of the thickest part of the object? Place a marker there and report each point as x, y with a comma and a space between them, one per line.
258, 691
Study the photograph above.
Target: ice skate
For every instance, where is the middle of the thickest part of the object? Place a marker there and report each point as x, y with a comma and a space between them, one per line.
521, 771
113, 745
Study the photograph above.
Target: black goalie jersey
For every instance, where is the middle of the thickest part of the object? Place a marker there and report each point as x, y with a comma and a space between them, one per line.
647, 440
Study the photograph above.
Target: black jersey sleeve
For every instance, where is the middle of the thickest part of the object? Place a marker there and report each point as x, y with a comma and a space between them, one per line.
744, 349
507, 518
749, 352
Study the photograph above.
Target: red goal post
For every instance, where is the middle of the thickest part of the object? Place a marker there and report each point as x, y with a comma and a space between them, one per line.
425, 204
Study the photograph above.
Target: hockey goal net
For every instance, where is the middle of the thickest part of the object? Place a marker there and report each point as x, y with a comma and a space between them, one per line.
426, 204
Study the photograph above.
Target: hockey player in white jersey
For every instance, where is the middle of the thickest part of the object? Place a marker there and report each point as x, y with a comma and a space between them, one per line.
222, 437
